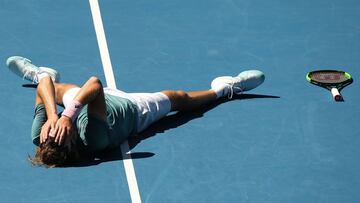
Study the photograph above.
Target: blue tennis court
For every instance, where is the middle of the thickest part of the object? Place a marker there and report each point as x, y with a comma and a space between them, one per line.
285, 141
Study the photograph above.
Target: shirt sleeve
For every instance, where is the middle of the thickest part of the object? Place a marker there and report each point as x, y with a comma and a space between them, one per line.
38, 121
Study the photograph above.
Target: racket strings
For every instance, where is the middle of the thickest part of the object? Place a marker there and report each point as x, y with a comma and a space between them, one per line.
326, 77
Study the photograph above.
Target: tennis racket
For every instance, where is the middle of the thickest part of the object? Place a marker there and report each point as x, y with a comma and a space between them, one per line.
332, 80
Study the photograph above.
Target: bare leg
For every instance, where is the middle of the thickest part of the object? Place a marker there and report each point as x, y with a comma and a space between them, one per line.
186, 101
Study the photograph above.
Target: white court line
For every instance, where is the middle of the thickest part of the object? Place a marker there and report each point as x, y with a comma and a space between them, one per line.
110, 80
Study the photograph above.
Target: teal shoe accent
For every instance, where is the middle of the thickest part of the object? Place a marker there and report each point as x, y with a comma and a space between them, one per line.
250, 79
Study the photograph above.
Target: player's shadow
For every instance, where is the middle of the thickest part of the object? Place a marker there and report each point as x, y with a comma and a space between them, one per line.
169, 122
180, 118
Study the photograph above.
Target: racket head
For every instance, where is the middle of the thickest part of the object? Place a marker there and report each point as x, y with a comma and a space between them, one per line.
329, 79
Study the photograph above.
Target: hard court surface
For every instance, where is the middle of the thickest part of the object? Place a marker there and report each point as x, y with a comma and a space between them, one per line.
286, 141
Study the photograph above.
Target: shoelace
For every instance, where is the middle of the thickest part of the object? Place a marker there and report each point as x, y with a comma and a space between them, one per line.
29, 73
232, 87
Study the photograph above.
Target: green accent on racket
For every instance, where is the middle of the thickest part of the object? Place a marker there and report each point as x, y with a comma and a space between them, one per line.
332, 80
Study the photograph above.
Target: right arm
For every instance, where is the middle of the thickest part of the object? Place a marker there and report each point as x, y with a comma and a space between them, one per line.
92, 94
46, 93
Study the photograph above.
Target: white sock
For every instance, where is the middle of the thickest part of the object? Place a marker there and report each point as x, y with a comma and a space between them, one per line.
221, 90
42, 75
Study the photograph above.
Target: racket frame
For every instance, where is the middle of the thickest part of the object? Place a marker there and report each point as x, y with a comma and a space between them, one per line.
334, 88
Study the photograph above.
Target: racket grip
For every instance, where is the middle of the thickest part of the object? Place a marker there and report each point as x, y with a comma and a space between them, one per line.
336, 94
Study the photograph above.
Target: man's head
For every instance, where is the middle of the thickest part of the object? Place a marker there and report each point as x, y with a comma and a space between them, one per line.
50, 154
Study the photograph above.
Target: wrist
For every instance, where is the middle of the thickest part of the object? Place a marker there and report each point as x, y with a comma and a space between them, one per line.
53, 116
66, 117
72, 110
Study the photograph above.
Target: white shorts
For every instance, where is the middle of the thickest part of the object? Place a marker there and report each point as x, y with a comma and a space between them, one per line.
151, 106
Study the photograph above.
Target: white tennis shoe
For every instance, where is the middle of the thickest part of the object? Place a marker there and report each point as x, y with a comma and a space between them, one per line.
245, 81
24, 68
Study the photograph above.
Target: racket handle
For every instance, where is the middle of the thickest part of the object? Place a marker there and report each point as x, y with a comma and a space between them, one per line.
336, 94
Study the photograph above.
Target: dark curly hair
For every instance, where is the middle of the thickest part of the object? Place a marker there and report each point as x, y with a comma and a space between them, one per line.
50, 154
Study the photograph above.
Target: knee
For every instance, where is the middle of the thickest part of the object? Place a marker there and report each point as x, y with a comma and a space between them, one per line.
179, 99
94, 79
96, 82
182, 95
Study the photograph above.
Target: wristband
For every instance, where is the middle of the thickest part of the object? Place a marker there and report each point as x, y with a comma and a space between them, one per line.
72, 110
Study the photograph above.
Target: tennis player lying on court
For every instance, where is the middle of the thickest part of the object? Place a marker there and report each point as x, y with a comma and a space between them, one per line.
96, 119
